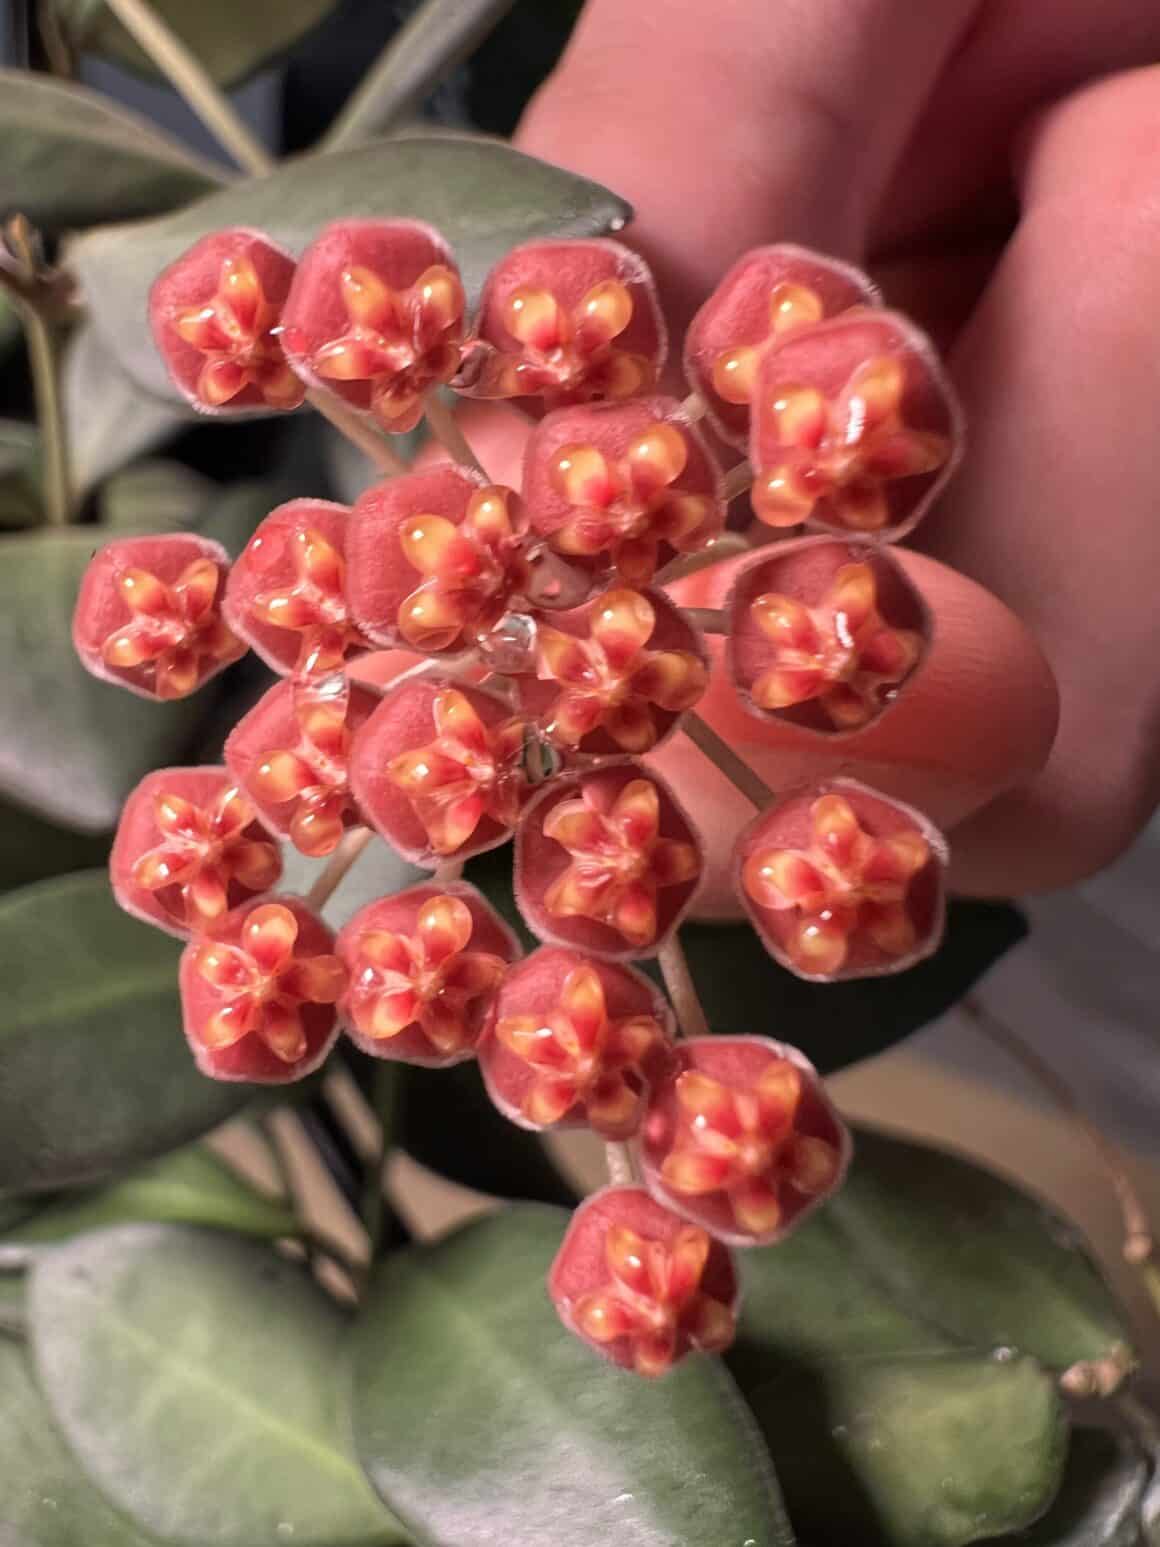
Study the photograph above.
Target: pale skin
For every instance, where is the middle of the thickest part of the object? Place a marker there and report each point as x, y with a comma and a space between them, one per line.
996, 163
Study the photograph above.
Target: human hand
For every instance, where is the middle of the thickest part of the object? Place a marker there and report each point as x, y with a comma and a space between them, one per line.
1006, 196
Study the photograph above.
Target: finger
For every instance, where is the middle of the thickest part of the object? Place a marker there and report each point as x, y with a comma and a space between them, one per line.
741, 123
978, 718
1055, 507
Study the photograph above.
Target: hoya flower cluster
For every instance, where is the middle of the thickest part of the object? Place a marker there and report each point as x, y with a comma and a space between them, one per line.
554, 662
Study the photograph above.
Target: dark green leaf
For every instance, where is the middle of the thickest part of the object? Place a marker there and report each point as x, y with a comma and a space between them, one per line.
913, 1451
835, 1024
12, 1315
480, 1419
46, 1497
110, 420
1100, 1497
154, 496
75, 746
19, 496
231, 41
190, 1187
96, 1072
436, 37
31, 849
71, 157
196, 1377
962, 1249
483, 196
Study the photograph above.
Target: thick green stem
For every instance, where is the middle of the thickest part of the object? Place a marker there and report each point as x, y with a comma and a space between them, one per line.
44, 363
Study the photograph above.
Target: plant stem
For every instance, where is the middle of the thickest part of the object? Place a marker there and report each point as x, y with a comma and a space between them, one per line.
190, 80
445, 428
384, 1096
349, 849
359, 432
730, 545
44, 364
621, 1166
674, 965
1138, 1244
710, 620
694, 407
733, 766
738, 480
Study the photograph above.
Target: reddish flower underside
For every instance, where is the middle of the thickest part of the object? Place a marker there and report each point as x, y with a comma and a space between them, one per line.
854, 427
574, 1042
741, 1139
768, 293
189, 848
291, 755
287, 591
149, 615
615, 677
568, 322
824, 633
642, 1286
606, 861
841, 882
439, 769
216, 318
259, 992
623, 486
424, 967
376, 315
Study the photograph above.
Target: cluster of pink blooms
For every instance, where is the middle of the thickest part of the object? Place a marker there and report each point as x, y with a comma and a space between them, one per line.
554, 663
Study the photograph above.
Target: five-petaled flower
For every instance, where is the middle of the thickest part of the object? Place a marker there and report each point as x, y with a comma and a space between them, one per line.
737, 1144
401, 342
844, 886
175, 632
313, 606
660, 1291
734, 372
583, 1060
204, 850
618, 859
310, 779
628, 506
610, 681
428, 979
469, 771
237, 331
845, 450
262, 984
841, 652
470, 571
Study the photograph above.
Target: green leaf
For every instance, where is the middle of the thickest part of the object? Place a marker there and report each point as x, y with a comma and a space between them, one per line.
483, 196
190, 1187
9, 323
447, 1123
231, 41
154, 496
19, 495
47, 1499
835, 1024
81, 744
97, 1074
913, 1451
31, 849
110, 420
437, 36
480, 1419
1099, 1501
71, 157
196, 1377
972, 1254
12, 1314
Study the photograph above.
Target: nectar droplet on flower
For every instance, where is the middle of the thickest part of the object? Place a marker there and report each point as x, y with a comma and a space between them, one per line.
606, 861
623, 487
259, 992
767, 294
855, 427
216, 315
189, 849
424, 968
376, 316
567, 322
824, 633
741, 1139
149, 615
640, 1285
575, 1042
841, 882
439, 770
287, 594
